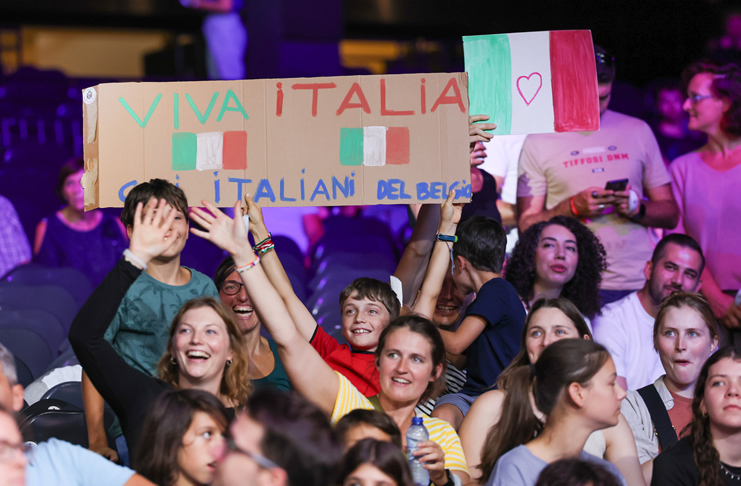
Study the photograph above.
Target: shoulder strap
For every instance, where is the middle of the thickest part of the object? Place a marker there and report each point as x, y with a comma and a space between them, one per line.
663, 427
376, 403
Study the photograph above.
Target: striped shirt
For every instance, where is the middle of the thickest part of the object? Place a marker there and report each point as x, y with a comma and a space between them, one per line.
454, 380
349, 399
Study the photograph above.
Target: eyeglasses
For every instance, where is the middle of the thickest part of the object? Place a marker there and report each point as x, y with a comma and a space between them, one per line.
261, 461
8, 450
231, 287
604, 58
696, 98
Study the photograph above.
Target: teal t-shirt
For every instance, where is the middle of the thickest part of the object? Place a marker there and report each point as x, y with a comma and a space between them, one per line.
140, 330
277, 378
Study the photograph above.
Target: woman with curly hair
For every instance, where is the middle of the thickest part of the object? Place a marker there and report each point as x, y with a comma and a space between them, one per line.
706, 182
711, 454
558, 258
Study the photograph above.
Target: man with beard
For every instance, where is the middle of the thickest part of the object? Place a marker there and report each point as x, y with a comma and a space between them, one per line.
625, 327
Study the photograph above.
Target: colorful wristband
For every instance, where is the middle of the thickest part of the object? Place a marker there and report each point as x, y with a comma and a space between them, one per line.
244, 268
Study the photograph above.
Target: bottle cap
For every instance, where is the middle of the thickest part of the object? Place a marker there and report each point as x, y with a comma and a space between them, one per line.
417, 421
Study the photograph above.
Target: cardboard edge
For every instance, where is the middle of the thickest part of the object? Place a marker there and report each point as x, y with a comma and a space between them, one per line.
91, 151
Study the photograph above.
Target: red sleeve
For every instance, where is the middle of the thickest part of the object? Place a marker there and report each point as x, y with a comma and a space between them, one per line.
323, 343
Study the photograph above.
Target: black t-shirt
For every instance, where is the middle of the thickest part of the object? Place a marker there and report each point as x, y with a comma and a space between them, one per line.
676, 467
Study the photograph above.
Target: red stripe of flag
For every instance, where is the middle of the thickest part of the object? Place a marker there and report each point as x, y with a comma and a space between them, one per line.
573, 80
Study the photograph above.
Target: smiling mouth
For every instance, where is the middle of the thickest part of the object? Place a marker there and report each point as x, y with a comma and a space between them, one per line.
243, 311
446, 309
361, 331
401, 381
198, 355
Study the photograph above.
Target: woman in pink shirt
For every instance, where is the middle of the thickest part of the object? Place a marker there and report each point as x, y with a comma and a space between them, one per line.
706, 182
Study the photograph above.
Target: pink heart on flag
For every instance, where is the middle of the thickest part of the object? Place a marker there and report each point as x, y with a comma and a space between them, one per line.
529, 86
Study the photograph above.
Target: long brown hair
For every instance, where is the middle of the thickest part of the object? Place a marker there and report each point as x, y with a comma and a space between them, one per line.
561, 364
235, 382
167, 421
706, 455
522, 358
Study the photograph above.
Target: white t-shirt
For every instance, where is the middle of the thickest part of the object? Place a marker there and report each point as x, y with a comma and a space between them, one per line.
627, 331
560, 165
502, 156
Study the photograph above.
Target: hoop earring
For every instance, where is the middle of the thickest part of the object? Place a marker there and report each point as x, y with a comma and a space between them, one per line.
172, 360
228, 363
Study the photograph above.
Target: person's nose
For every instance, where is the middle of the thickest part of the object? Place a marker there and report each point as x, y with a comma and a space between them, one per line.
687, 105
681, 343
733, 388
242, 294
548, 339
560, 252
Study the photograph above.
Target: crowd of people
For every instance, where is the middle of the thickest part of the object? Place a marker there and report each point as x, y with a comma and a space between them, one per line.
602, 351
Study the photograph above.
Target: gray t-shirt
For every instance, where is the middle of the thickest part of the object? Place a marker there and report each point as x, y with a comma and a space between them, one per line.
519, 467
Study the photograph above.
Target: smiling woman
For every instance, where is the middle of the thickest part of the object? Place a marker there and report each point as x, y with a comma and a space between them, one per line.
409, 357
205, 343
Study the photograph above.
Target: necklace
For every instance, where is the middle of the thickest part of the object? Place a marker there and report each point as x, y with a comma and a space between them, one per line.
735, 477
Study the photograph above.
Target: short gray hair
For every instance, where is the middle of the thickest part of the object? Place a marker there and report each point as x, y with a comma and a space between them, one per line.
7, 363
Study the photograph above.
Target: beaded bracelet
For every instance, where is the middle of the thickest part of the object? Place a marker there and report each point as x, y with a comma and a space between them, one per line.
244, 268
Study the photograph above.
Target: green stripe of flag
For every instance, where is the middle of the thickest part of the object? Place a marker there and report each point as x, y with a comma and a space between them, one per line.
489, 68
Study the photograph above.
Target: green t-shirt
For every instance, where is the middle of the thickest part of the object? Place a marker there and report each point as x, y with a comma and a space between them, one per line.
140, 330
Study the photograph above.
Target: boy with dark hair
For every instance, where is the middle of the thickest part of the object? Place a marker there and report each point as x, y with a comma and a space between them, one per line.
139, 331
367, 306
489, 335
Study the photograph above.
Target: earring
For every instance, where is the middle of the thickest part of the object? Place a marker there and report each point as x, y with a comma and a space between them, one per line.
172, 360
228, 363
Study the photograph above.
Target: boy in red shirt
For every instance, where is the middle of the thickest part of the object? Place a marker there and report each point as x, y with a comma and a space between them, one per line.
367, 306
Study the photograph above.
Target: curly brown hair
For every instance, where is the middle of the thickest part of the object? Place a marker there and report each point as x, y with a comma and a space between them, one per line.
235, 382
583, 288
706, 455
726, 86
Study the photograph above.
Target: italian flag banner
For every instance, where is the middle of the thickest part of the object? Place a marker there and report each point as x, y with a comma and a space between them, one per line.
533, 82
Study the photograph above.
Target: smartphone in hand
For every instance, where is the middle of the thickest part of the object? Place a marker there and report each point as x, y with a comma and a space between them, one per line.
617, 185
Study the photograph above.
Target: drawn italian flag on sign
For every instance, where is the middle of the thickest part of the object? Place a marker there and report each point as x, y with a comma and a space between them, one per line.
534, 82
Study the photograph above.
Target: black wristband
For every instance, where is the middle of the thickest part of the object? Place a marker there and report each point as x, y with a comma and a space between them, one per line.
450, 479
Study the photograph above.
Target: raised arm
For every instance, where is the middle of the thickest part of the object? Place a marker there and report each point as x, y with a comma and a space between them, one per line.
308, 372
450, 216
273, 268
413, 262
116, 381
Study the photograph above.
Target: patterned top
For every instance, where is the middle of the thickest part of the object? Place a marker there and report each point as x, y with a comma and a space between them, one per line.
14, 247
349, 399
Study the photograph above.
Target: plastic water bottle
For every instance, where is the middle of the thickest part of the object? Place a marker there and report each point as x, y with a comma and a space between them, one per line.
415, 434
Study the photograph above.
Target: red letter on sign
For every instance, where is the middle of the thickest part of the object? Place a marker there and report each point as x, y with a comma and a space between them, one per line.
315, 87
443, 99
354, 89
384, 111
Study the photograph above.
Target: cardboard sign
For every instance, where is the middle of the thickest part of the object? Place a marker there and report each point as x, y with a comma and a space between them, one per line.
288, 142
534, 82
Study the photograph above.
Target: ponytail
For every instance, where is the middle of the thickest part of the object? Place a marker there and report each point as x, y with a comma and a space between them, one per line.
562, 363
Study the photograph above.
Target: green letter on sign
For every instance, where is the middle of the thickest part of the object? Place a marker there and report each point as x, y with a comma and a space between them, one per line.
225, 106
149, 113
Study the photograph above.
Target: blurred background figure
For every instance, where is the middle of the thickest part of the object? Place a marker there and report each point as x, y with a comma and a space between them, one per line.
14, 247
670, 123
91, 241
